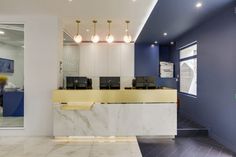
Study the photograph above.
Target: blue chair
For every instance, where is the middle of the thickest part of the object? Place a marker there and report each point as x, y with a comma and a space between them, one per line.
13, 104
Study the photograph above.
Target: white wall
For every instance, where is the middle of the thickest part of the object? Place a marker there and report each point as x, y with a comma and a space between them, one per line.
16, 54
95, 60
42, 41
71, 61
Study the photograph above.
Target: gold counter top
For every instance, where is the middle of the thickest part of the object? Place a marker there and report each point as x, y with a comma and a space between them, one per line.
115, 96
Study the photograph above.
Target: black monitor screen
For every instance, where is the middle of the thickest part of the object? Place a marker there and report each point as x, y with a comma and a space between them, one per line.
109, 82
145, 82
76, 82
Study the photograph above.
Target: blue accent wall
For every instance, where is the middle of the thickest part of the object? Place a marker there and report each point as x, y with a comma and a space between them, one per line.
146, 59
215, 105
166, 53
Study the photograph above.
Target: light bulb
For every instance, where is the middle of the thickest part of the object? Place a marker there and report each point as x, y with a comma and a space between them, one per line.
109, 38
95, 38
78, 38
199, 5
127, 38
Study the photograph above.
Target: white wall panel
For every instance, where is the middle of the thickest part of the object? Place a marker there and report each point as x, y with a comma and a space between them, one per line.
71, 61
100, 59
106, 59
114, 56
87, 59
127, 60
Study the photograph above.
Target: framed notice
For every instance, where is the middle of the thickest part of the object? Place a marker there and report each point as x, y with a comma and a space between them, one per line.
6, 65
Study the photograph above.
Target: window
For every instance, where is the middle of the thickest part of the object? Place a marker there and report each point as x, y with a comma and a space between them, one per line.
188, 70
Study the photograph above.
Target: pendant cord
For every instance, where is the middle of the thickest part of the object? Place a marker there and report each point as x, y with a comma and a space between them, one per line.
78, 22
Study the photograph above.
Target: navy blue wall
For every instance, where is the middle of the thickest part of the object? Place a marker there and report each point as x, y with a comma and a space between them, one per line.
215, 105
166, 53
146, 59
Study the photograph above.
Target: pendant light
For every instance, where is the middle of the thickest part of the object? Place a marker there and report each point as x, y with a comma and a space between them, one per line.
78, 37
127, 38
109, 37
95, 38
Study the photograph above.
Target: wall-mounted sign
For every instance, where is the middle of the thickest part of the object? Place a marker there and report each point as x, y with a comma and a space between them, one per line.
6, 65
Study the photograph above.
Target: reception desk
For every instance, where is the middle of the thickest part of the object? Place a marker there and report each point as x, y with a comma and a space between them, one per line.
115, 113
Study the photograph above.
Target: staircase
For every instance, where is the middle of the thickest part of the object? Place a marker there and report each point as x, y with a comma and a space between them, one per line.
188, 128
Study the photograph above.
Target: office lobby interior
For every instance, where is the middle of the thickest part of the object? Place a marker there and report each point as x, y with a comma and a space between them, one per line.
118, 78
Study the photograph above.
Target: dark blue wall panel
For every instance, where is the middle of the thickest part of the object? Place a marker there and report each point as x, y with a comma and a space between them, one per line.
167, 54
215, 105
146, 60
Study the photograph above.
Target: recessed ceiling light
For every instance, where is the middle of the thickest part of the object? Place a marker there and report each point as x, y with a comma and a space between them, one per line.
152, 45
199, 5
155, 42
172, 43
134, 0
165, 34
1, 32
70, 0
87, 30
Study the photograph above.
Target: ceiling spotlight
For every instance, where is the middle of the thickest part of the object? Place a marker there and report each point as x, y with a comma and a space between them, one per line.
152, 45
165, 34
95, 38
1, 32
109, 37
155, 42
87, 30
199, 5
127, 38
78, 37
134, 0
70, 0
172, 43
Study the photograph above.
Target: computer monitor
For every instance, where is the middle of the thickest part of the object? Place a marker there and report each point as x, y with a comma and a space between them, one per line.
144, 82
109, 82
77, 83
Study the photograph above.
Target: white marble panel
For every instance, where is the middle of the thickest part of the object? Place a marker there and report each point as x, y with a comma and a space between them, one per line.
118, 120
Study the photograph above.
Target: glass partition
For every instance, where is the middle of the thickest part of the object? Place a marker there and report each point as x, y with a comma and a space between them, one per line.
11, 75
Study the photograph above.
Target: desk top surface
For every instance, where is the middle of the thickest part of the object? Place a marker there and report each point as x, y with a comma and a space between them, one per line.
115, 96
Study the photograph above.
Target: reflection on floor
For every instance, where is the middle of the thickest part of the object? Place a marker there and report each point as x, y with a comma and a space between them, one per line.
83, 147
11, 121
184, 147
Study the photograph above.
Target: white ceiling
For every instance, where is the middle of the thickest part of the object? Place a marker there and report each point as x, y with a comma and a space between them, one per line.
137, 11
13, 35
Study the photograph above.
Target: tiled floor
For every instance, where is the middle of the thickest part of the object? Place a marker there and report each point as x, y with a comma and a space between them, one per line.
47, 147
184, 147
11, 121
